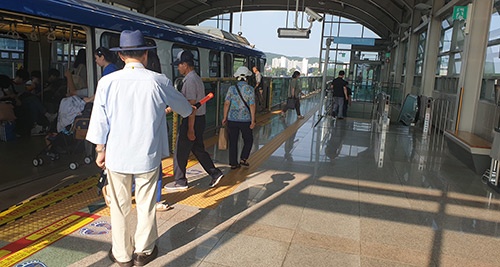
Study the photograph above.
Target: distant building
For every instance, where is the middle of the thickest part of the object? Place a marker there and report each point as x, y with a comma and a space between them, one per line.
300, 65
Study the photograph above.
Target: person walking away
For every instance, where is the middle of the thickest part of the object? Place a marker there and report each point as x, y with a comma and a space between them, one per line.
129, 129
190, 136
339, 94
294, 91
259, 88
239, 115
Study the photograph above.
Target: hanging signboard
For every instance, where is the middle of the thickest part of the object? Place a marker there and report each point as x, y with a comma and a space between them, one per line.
354, 41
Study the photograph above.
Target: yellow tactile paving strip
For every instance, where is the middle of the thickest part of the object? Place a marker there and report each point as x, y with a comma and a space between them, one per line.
38, 220
59, 206
64, 201
210, 198
23, 209
32, 243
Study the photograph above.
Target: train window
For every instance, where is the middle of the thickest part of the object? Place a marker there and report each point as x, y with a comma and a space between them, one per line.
214, 63
65, 54
175, 50
239, 61
252, 63
228, 65
262, 64
11, 55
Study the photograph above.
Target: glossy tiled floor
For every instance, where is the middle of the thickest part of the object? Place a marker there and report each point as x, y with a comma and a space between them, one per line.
331, 195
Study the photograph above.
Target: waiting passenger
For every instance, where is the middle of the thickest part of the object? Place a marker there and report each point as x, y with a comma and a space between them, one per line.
294, 92
239, 115
137, 154
259, 88
154, 65
106, 60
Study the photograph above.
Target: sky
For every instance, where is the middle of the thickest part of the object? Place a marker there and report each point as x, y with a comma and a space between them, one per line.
261, 29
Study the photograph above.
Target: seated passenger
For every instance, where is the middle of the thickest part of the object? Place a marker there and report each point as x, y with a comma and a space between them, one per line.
7, 99
54, 91
32, 116
77, 76
19, 81
33, 86
7, 91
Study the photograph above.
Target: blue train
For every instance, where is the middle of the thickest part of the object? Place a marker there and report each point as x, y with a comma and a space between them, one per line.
47, 34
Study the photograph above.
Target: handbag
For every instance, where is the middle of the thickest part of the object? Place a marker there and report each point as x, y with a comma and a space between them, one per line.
222, 138
290, 103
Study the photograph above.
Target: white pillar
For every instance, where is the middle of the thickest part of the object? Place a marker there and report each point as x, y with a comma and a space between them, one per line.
431, 50
474, 54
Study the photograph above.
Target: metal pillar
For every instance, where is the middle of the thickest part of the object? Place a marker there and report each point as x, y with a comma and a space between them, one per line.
325, 68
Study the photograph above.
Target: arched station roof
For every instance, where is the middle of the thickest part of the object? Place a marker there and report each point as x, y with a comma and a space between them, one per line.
383, 17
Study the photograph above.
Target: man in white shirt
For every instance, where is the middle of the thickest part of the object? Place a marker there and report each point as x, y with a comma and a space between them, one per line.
129, 129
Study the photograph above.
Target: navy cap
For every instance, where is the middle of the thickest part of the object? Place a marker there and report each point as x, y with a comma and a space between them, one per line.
184, 56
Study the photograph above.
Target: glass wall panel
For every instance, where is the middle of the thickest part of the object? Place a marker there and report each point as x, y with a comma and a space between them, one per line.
492, 63
446, 40
457, 64
491, 70
443, 65
350, 30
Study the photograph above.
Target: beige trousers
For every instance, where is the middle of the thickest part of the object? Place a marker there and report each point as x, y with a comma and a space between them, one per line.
146, 232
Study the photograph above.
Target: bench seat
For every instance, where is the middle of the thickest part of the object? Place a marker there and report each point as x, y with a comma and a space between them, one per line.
471, 149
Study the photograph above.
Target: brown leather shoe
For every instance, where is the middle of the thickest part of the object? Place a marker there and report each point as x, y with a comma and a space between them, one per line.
141, 259
122, 264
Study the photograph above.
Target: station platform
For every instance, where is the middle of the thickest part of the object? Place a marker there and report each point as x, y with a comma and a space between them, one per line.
341, 193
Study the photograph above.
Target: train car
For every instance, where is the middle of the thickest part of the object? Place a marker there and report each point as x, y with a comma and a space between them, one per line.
47, 34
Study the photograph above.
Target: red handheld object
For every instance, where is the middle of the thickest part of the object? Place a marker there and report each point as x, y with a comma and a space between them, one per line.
204, 100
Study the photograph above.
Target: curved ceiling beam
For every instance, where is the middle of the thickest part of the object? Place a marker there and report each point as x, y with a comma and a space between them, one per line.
391, 9
371, 17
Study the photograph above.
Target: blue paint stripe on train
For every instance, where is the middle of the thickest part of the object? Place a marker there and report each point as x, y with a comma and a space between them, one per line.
104, 16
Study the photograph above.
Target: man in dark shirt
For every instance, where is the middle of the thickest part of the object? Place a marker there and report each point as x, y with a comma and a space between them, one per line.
339, 86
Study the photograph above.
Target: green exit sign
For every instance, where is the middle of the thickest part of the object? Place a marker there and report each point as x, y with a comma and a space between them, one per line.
459, 12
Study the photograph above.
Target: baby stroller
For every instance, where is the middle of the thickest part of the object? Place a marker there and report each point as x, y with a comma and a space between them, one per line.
69, 139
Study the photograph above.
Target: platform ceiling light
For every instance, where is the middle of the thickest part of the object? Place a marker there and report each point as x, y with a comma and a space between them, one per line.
293, 33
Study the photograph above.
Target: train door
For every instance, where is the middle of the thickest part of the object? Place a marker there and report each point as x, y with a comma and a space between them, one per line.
38, 45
